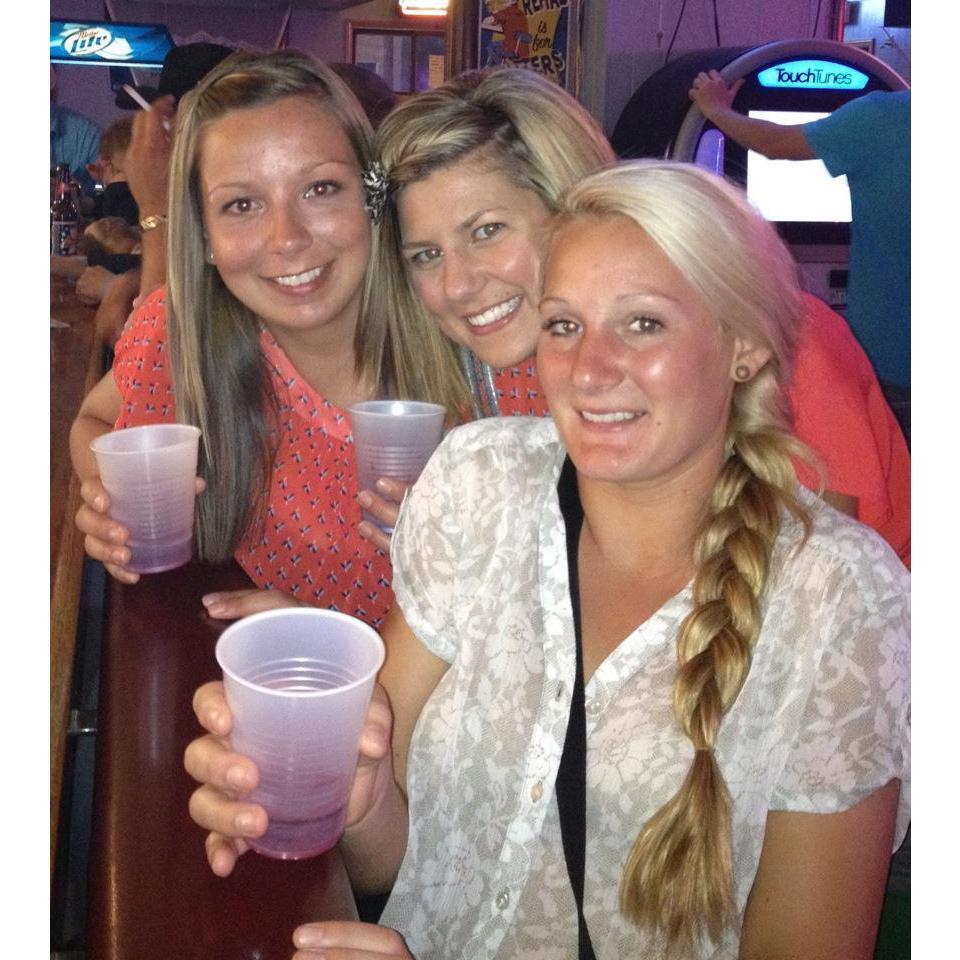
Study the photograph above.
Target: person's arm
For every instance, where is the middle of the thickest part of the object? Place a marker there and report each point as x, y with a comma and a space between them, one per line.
147, 167
819, 886
104, 539
94, 284
70, 266
774, 140
116, 306
373, 847
375, 839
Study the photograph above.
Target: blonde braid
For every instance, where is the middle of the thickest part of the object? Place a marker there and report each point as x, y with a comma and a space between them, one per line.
678, 878
679, 874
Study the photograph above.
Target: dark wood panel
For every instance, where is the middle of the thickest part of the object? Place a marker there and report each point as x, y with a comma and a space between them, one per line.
75, 359
152, 895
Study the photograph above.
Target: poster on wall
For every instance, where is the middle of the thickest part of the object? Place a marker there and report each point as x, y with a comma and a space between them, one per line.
536, 35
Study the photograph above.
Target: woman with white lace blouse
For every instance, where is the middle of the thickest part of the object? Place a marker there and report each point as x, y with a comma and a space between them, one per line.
644, 695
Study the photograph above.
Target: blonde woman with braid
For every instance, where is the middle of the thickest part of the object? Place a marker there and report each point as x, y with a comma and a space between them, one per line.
471, 172
649, 696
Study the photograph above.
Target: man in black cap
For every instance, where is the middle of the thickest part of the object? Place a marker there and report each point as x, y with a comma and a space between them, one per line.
183, 68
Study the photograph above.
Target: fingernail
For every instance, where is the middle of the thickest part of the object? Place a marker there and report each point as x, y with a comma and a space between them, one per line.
237, 778
364, 499
119, 557
307, 937
216, 609
365, 529
244, 822
383, 485
114, 535
99, 503
209, 599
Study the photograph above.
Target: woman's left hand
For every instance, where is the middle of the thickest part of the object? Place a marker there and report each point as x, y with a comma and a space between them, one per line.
348, 940
233, 604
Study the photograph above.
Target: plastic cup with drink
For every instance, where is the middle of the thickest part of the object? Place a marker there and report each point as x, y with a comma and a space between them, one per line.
298, 683
150, 474
394, 438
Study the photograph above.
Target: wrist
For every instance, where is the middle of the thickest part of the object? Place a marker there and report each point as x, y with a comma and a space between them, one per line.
153, 221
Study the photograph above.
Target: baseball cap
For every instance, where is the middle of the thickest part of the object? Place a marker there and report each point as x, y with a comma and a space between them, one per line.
183, 68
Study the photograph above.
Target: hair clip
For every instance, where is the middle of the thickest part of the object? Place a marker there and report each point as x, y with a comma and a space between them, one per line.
376, 184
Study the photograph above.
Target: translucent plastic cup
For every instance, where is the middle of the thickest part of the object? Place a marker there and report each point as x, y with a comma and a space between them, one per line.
150, 474
394, 438
298, 683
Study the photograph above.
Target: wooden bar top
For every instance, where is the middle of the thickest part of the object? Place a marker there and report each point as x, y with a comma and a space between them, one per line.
152, 895
75, 364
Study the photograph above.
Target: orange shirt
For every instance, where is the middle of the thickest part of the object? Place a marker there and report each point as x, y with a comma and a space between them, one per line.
309, 546
839, 412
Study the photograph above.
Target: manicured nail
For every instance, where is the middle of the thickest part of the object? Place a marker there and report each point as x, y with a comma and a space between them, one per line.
383, 485
364, 499
209, 599
237, 778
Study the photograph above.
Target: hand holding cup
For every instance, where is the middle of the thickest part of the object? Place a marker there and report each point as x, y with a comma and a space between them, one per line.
393, 439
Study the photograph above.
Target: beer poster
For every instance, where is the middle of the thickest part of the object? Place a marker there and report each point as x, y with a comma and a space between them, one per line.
538, 35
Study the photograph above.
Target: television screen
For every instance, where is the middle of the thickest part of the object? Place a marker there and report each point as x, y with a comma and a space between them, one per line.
795, 190
99, 42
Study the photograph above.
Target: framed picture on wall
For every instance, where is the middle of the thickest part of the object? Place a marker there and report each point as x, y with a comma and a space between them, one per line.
409, 55
540, 35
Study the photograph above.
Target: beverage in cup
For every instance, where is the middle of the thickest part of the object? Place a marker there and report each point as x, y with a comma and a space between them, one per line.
150, 475
298, 682
394, 438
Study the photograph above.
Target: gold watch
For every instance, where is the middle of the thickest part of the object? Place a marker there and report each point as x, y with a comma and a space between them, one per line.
153, 221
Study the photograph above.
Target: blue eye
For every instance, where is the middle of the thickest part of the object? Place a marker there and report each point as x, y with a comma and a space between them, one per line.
487, 230
645, 324
427, 256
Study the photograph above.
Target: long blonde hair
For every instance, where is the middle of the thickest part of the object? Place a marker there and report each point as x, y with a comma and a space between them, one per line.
523, 125
220, 378
678, 876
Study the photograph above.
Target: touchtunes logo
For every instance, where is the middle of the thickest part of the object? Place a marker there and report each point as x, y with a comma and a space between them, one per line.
813, 74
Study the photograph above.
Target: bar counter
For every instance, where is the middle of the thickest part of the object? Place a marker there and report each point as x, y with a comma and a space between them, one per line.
151, 894
76, 360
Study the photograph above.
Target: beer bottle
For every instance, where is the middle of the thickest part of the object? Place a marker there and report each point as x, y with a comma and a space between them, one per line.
64, 213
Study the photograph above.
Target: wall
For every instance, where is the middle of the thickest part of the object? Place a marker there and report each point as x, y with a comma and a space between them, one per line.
637, 35
320, 32
624, 41
891, 44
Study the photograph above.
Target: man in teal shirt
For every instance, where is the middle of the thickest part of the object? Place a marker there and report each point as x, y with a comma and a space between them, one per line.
74, 140
868, 139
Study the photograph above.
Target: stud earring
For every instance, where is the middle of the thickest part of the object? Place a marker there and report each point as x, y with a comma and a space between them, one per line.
742, 372
208, 256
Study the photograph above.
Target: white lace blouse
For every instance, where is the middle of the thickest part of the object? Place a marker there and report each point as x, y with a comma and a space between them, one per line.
481, 576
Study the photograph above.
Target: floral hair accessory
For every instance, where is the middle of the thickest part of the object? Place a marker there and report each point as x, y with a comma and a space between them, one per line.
377, 186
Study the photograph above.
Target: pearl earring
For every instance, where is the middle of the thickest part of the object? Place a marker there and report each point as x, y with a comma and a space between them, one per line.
742, 372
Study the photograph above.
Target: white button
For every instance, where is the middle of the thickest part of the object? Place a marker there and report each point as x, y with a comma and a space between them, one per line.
593, 707
536, 791
503, 899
